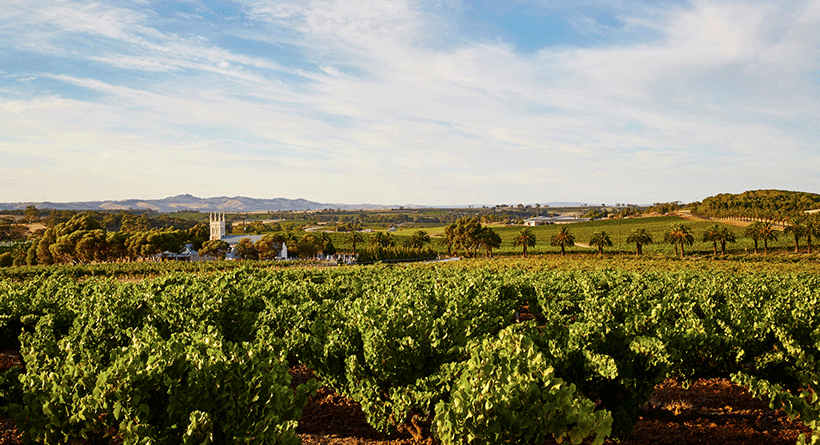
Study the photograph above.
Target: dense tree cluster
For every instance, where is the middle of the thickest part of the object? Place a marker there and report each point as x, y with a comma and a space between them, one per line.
84, 239
770, 205
467, 235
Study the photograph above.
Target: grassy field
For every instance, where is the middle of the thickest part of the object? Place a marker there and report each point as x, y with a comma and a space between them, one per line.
618, 231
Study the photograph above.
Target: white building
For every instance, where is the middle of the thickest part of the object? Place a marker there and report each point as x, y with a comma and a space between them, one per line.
217, 226
544, 220
217, 221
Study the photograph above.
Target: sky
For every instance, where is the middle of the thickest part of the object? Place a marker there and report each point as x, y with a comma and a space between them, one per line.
408, 102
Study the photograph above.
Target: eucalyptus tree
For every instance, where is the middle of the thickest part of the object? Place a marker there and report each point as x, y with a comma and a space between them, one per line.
246, 250
600, 240
467, 234
563, 239
489, 240
525, 238
449, 238
640, 237
214, 248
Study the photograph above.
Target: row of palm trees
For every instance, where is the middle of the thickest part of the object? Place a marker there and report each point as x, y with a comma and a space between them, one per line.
680, 235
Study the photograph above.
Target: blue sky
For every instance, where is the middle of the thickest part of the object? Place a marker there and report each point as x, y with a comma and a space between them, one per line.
407, 102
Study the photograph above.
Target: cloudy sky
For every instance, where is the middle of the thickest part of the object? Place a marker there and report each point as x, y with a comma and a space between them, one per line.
408, 102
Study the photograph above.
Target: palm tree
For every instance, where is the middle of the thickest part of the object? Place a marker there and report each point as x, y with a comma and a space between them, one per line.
797, 227
711, 234
717, 233
418, 239
812, 229
768, 233
679, 233
382, 239
725, 236
525, 238
563, 238
640, 237
355, 237
600, 240
753, 232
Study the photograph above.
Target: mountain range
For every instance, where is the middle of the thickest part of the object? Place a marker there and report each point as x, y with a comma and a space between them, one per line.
193, 203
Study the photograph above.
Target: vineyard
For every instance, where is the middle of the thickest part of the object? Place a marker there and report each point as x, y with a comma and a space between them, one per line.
461, 353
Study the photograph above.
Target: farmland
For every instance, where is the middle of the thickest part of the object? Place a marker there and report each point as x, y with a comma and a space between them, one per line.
404, 342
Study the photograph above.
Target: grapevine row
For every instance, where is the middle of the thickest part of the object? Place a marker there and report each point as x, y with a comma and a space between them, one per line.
435, 349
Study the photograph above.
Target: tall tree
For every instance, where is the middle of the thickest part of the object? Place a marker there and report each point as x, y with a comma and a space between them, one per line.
710, 236
214, 248
812, 229
246, 250
640, 237
489, 240
725, 235
32, 214
679, 234
467, 233
753, 231
797, 227
525, 238
382, 239
269, 247
418, 239
718, 233
449, 238
355, 237
600, 240
564, 239
768, 232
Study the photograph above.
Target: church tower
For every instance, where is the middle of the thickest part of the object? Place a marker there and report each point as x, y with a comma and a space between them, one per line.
217, 226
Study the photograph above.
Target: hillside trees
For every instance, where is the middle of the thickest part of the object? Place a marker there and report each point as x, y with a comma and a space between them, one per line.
32, 214
759, 204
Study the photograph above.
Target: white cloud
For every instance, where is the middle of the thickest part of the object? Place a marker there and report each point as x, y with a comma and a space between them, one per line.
471, 121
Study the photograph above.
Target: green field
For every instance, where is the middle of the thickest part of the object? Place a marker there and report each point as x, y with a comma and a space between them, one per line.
618, 231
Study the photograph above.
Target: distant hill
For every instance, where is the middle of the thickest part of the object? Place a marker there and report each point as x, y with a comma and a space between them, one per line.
759, 204
192, 203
